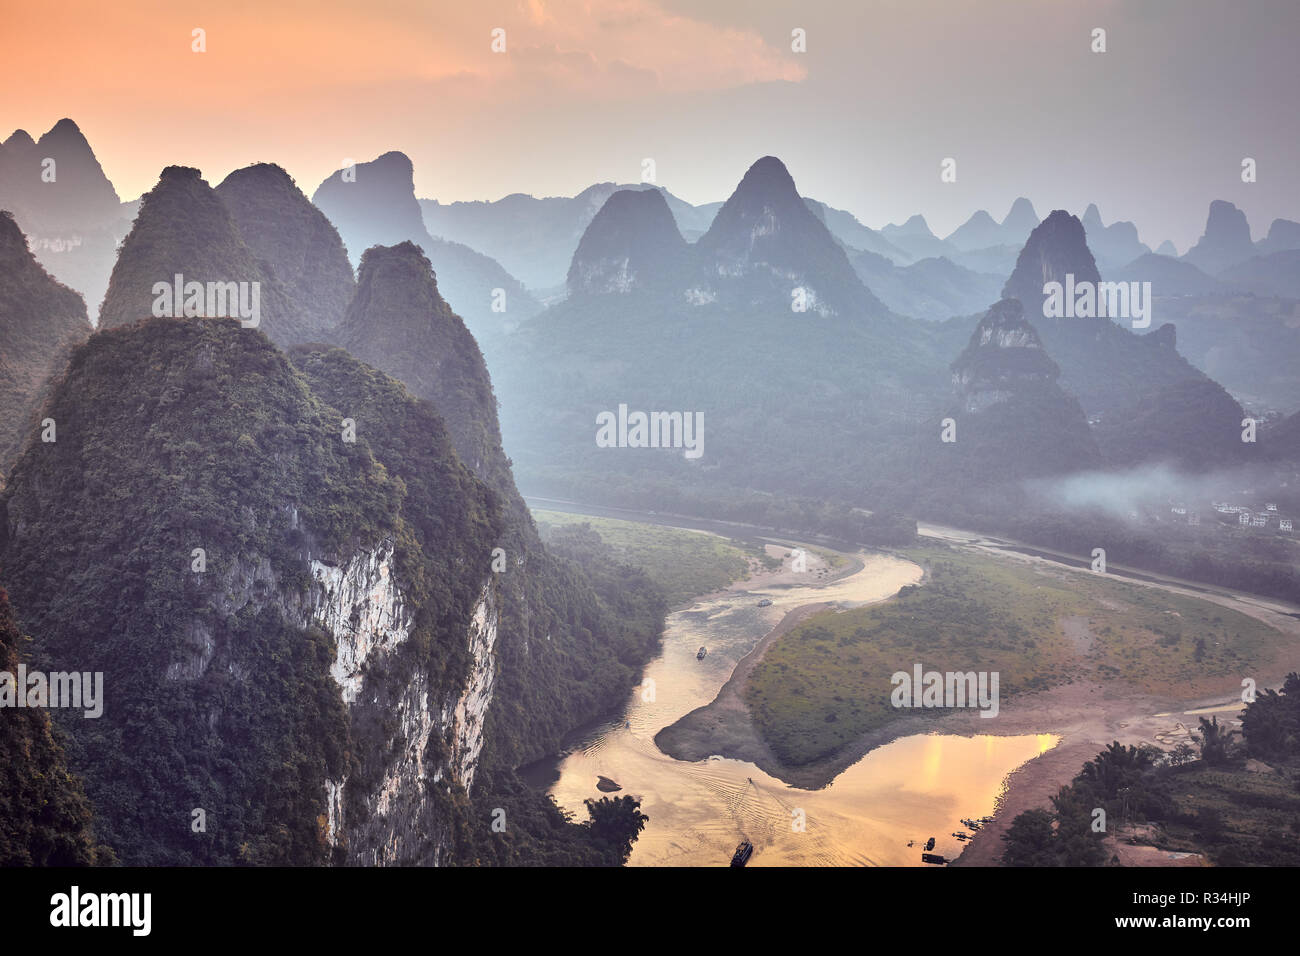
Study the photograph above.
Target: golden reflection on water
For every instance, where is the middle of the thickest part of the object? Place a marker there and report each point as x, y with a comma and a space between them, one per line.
911, 789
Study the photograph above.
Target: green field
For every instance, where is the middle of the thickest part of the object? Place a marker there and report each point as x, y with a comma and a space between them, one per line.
684, 563
827, 682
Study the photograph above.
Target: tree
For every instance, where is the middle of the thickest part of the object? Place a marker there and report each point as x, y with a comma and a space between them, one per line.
1216, 742
616, 822
1029, 841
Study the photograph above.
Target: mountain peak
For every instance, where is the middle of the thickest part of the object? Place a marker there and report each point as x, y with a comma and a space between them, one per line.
766, 243
1092, 217
1057, 247
768, 173
1021, 215
1226, 241
914, 226
284, 230
1004, 353
184, 228
374, 207
64, 128
633, 242
399, 322
19, 139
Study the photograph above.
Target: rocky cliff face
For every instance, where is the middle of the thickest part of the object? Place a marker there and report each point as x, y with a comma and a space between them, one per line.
1004, 357
1012, 419
300, 628
395, 820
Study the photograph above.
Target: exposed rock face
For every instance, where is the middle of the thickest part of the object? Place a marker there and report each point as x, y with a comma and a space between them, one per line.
1012, 421
441, 737
1005, 356
363, 609
766, 242
554, 632
1226, 241
294, 239
632, 243
185, 229
40, 321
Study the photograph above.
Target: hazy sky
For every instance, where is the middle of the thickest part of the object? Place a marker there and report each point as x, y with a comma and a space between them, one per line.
1151, 130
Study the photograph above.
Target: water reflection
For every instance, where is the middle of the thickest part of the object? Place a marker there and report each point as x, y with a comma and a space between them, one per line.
912, 789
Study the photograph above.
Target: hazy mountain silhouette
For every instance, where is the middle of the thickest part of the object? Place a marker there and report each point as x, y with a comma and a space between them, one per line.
1226, 241
1114, 246
1168, 276
65, 205
932, 289
535, 238
980, 231
379, 208
915, 238
40, 321
1283, 234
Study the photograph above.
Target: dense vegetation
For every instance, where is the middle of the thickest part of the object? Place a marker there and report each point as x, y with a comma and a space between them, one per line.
1235, 800
827, 682
40, 321
45, 819
684, 564
184, 228
175, 435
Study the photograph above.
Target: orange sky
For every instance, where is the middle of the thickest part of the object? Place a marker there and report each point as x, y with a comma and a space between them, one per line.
1151, 131
307, 84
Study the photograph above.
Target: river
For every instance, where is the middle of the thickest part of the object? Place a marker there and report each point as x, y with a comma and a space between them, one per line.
914, 788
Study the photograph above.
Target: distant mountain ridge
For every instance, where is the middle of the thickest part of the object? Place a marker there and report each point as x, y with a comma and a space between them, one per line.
378, 208
65, 205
